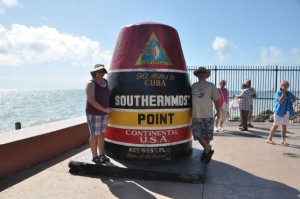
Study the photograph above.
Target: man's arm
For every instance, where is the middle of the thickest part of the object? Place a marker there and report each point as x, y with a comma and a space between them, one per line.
239, 96
216, 103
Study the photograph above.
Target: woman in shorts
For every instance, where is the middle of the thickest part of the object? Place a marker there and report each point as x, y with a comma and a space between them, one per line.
283, 109
223, 93
97, 110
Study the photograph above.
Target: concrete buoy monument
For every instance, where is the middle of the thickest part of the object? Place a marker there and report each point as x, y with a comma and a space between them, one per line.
151, 96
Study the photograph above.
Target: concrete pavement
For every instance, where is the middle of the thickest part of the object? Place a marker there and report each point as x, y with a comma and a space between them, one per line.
243, 166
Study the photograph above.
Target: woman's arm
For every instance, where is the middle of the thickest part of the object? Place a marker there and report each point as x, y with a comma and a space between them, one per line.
227, 95
282, 97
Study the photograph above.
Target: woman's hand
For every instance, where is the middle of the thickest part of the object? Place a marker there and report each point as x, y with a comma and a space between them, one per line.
283, 95
108, 110
284, 91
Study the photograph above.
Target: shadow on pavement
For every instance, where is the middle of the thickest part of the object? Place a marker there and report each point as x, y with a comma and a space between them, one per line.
125, 188
223, 181
27, 173
226, 181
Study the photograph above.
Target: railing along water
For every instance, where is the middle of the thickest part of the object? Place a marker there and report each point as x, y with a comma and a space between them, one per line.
265, 80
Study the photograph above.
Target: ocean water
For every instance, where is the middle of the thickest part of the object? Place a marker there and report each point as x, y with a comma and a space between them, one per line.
36, 107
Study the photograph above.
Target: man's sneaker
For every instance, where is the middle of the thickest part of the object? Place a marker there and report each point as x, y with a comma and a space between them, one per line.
250, 125
98, 160
208, 156
104, 158
216, 129
221, 129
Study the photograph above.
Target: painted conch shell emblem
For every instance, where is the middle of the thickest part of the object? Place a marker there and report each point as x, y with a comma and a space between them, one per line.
153, 53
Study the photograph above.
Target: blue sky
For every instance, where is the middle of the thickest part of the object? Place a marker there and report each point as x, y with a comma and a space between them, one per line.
54, 44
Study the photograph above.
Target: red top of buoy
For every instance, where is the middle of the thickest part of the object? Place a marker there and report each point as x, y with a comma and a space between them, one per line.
148, 45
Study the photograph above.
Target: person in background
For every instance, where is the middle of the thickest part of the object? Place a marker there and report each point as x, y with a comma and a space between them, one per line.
97, 110
204, 95
283, 109
244, 105
223, 93
253, 95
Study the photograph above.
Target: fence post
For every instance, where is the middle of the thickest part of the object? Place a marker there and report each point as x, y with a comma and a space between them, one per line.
216, 75
276, 76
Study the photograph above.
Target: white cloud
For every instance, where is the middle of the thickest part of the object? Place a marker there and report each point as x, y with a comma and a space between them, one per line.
296, 55
9, 3
2, 11
221, 46
22, 44
34, 79
5, 4
34, 82
271, 56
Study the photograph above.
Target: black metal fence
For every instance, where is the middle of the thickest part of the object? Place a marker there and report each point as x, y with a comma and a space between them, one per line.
265, 79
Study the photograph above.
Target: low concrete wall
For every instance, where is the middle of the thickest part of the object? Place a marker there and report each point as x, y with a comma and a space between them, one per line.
24, 148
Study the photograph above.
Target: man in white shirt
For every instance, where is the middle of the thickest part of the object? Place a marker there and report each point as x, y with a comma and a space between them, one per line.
204, 95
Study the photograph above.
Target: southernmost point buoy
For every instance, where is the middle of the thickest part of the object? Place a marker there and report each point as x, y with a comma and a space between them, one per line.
151, 96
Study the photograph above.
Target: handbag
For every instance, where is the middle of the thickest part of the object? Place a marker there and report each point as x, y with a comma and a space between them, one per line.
234, 104
225, 105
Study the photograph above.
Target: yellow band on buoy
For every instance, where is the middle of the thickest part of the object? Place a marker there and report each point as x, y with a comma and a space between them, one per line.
146, 118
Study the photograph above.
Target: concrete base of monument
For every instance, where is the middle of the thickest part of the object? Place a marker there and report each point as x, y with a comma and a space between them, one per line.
189, 169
